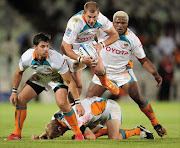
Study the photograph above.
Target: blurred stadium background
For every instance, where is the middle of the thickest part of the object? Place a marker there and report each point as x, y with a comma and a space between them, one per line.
156, 23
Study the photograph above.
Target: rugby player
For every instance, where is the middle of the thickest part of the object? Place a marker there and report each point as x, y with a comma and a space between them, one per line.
99, 112
116, 59
82, 28
50, 69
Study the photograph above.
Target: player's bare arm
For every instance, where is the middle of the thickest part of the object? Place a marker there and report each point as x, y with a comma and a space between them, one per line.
42, 136
16, 81
74, 91
150, 68
113, 37
66, 49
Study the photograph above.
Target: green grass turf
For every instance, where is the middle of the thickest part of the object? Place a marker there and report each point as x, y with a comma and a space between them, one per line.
168, 114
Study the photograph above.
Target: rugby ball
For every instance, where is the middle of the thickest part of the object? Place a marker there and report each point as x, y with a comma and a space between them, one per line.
87, 50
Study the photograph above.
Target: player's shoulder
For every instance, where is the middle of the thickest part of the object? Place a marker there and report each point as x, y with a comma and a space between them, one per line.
28, 54
55, 55
102, 17
131, 33
76, 19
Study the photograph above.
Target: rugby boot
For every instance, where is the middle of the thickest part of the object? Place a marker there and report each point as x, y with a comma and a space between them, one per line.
145, 133
13, 137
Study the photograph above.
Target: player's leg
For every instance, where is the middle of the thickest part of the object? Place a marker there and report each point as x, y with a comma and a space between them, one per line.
95, 90
68, 111
133, 91
77, 76
113, 129
29, 91
101, 73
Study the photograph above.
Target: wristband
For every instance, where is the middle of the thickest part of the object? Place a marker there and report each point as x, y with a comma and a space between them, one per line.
102, 44
14, 90
79, 59
77, 101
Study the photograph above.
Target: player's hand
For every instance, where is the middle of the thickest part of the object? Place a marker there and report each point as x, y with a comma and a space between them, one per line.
98, 48
34, 137
94, 63
87, 60
158, 79
13, 99
80, 110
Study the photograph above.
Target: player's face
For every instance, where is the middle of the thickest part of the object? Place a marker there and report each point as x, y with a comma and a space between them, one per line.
120, 24
42, 49
91, 18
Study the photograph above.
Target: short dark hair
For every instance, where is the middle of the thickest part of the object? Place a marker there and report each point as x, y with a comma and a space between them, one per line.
91, 7
41, 37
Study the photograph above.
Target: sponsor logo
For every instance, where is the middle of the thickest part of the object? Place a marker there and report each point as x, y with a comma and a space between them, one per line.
86, 38
109, 49
68, 32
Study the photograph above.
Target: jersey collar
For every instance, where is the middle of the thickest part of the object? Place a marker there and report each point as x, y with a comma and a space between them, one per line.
34, 56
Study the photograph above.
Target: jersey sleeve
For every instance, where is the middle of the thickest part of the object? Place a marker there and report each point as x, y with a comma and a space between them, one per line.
24, 61
106, 23
59, 63
72, 30
137, 48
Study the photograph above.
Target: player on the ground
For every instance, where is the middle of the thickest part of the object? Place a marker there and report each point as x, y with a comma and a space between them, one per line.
99, 112
50, 69
82, 28
116, 59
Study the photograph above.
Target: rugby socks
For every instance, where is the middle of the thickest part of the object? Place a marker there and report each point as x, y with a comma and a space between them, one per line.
72, 120
106, 82
126, 133
148, 111
20, 116
101, 132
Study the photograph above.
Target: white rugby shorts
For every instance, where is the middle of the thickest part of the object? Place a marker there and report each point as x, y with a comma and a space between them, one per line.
114, 110
49, 82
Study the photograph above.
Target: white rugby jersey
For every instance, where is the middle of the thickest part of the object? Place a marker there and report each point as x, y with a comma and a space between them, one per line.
116, 57
77, 31
96, 113
52, 67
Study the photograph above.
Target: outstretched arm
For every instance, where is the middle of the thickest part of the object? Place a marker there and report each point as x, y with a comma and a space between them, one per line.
150, 68
113, 37
43, 136
16, 81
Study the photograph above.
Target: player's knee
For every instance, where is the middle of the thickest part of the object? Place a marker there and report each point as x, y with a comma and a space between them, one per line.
21, 102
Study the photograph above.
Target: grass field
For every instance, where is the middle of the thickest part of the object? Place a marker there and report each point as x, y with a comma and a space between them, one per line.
168, 114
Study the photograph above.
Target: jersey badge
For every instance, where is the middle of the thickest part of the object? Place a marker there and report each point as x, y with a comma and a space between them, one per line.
68, 32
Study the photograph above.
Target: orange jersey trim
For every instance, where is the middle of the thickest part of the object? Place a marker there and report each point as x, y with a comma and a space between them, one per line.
84, 18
